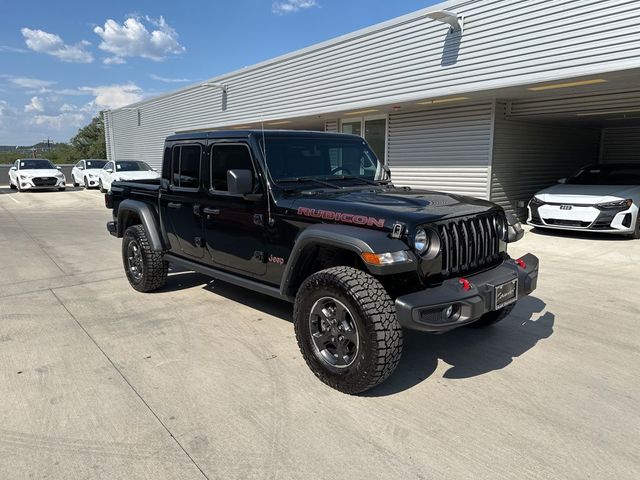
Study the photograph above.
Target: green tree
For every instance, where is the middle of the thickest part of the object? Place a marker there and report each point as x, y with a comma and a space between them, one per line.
89, 141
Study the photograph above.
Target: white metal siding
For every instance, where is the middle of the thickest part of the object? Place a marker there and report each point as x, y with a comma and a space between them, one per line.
530, 156
505, 42
621, 145
446, 149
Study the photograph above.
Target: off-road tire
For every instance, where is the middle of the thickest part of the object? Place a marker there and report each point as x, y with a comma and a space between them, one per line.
154, 267
491, 318
373, 310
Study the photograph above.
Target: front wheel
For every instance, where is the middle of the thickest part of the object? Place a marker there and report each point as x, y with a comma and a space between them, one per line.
491, 318
11, 185
75, 183
61, 189
146, 269
347, 330
102, 189
636, 232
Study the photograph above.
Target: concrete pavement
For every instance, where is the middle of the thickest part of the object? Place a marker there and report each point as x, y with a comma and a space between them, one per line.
204, 380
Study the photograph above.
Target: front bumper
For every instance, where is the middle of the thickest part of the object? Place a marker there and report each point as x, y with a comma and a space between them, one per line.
37, 183
92, 182
583, 217
424, 310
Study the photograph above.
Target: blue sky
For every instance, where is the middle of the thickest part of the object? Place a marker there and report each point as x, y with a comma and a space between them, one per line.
62, 62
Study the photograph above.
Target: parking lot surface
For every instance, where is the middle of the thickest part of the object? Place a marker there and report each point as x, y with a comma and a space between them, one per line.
205, 380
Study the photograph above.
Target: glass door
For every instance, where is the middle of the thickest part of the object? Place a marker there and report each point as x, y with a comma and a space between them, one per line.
372, 129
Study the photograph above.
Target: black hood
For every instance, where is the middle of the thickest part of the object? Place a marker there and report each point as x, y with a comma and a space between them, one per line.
391, 204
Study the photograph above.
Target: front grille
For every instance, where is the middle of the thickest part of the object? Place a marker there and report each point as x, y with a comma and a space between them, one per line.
471, 243
44, 181
566, 223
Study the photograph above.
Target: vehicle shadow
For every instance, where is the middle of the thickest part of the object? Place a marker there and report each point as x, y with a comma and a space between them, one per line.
608, 237
7, 190
470, 352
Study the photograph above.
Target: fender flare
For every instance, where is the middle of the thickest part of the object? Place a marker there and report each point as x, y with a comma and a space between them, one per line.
354, 239
148, 217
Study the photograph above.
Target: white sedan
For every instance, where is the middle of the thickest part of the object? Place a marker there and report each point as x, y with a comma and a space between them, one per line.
123, 170
602, 198
35, 173
87, 172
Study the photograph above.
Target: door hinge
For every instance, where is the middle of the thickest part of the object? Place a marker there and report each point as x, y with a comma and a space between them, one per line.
258, 219
258, 255
199, 242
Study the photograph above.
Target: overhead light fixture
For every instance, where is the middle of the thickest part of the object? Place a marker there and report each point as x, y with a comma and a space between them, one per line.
606, 112
362, 112
579, 83
455, 21
283, 122
221, 86
443, 100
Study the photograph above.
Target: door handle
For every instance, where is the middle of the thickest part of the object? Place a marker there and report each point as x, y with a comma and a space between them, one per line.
174, 205
211, 211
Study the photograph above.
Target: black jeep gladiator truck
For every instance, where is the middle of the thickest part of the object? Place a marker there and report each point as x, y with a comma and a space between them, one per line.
313, 218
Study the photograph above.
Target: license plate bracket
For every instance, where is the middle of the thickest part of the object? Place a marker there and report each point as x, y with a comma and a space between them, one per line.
505, 294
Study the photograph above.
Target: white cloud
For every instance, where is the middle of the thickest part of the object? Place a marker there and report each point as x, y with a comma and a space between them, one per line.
35, 105
133, 39
51, 44
30, 83
114, 96
114, 61
292, 6
7, 48
168, 79
59, 122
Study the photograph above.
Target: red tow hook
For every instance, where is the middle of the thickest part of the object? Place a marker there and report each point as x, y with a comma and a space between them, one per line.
521, 263
466, 284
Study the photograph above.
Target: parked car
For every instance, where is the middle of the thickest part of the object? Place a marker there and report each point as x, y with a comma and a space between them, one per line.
124, 170
35, 173
313, 218
87, 172
602, 198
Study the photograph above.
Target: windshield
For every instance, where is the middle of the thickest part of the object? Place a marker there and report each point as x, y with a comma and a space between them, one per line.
35, 164
96, 163
607, 175
132, 167
292, 159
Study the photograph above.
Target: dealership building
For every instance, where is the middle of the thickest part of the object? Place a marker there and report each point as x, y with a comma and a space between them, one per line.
490, 98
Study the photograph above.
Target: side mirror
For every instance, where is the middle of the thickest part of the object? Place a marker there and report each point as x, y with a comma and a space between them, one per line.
109, 170
514, 229
58, 168
13, 168
562, 180
240, 182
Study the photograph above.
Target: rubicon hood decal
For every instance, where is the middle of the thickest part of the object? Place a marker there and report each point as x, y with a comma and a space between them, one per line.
342, 217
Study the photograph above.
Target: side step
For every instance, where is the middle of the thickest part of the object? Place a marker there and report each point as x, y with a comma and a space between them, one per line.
227, 277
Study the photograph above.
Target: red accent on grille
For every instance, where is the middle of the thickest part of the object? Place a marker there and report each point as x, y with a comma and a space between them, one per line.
466, 285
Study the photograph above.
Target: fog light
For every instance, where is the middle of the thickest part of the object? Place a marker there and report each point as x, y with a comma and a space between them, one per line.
449, 311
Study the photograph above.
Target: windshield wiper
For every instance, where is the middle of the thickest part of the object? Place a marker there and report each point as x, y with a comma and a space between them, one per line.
307, 179
362, 179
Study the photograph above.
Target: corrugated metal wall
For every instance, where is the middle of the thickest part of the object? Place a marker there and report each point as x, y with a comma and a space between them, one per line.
446, 149
621, 145
505, 42
530, 156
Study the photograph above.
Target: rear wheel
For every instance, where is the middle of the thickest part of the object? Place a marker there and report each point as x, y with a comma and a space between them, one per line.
347, 329
491, 318
146, 269
102, 190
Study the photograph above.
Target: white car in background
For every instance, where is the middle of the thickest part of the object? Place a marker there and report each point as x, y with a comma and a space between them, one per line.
34, 174
87, 172
599, 198
123, 170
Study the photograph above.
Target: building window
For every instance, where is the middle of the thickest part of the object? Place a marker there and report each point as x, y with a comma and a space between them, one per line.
372, 129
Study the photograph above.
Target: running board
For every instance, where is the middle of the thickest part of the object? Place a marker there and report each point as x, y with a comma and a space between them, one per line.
227, 277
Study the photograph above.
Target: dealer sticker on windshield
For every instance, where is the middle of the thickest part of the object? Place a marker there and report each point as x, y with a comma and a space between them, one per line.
506, 294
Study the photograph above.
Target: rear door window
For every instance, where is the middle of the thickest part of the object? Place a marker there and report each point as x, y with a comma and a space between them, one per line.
185, 166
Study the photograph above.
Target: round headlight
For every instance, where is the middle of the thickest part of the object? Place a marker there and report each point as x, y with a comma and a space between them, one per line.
421, 241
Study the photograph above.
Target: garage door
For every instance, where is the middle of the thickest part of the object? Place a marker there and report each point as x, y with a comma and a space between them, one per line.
444, 149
